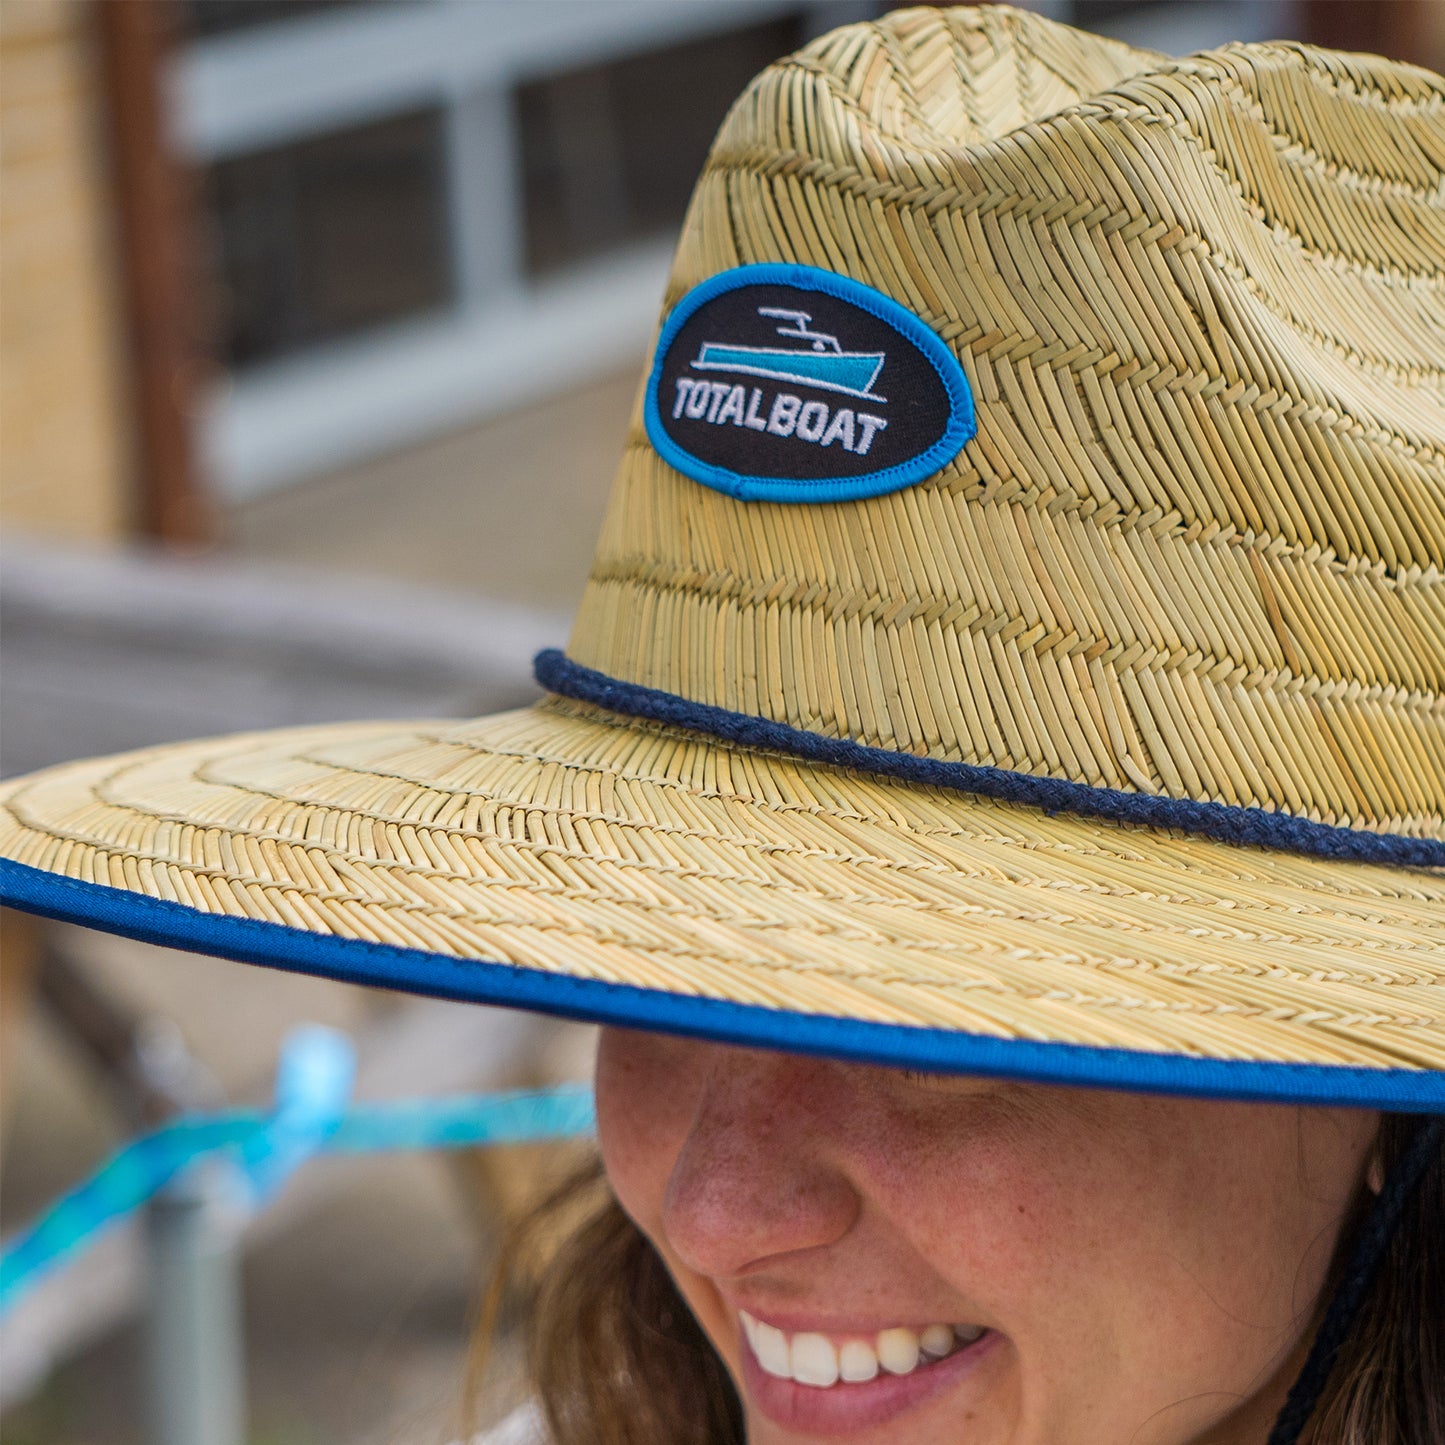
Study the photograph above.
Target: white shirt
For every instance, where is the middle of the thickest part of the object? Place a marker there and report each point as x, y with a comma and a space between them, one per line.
522, 1427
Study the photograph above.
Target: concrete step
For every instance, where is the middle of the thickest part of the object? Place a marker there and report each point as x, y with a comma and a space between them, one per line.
105, 651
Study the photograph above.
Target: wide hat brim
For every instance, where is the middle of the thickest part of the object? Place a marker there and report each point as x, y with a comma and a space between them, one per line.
1066, 706
572, 860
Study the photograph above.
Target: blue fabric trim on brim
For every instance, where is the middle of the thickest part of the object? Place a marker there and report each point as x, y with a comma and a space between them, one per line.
1251, 827
275, 945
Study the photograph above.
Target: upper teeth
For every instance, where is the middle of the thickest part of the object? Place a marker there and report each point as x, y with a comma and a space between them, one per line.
814, 1359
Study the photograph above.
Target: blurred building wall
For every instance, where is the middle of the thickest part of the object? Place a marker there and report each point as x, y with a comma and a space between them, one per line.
422, 215
63, 442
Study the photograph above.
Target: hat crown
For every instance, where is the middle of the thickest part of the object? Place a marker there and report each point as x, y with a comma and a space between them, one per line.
1195, 548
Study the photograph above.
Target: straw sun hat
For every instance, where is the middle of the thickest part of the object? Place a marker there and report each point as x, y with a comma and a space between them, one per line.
1016, 640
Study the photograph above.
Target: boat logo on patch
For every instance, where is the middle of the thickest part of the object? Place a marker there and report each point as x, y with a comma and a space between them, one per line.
791, 384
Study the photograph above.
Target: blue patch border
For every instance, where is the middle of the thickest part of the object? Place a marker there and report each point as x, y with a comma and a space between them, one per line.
962, 421
278, 945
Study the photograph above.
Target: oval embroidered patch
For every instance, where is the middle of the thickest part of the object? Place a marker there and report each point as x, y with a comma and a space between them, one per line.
790, 384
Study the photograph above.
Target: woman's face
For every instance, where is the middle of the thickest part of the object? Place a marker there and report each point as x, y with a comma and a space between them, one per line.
1087, 1267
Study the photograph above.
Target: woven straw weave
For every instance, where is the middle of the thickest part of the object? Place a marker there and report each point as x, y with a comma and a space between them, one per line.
569, 839
1196, 547
1195, 550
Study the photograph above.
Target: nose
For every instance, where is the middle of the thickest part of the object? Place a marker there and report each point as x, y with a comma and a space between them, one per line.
761, 1174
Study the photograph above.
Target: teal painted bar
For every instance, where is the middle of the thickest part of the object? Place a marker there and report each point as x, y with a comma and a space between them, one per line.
144, 1167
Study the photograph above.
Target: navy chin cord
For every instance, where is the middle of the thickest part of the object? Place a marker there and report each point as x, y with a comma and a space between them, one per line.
1354, 1285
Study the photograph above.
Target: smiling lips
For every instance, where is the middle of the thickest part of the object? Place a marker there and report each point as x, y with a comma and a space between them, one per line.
813, 1359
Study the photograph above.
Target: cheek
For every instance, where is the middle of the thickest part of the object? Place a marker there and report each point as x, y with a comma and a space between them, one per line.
1173, 1262
646, 1089
1098, 1217
983, 1194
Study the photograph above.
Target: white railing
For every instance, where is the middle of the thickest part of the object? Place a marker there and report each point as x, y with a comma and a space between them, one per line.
506, 341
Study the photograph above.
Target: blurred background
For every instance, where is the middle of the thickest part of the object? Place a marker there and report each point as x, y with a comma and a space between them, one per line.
320, 322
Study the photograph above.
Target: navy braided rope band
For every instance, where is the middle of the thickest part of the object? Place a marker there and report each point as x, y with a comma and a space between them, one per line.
1252, 827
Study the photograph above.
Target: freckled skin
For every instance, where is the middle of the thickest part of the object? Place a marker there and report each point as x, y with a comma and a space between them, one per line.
1150, 1264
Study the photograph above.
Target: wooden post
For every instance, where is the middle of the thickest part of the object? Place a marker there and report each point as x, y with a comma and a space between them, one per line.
1409, 30
154, 214
19, 954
